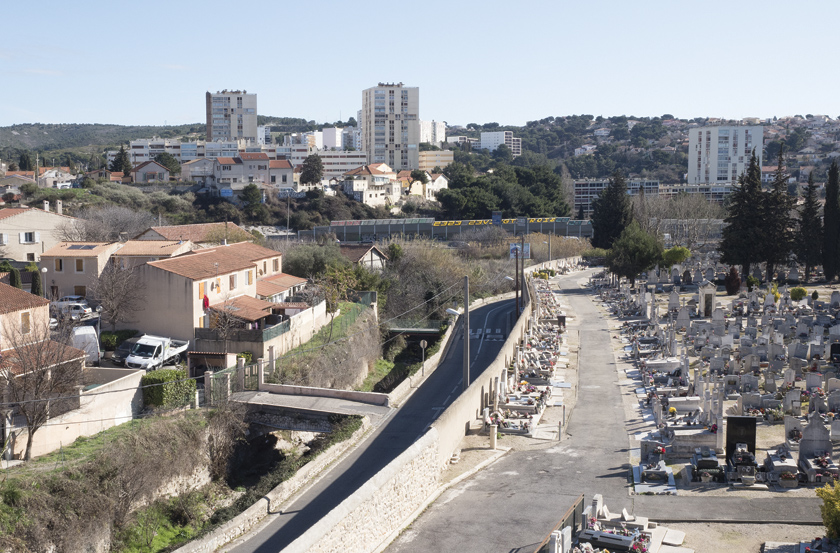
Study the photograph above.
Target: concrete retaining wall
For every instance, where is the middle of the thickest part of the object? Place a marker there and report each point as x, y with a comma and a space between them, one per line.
250, 517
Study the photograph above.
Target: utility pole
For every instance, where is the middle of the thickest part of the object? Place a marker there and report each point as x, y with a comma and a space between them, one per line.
466, 333
522, 279
516, 270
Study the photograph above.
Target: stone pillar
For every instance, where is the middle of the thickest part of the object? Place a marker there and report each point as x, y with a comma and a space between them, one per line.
260, 372
208, 388
494, 429
272, 360
225, 387
240, 374
496, 394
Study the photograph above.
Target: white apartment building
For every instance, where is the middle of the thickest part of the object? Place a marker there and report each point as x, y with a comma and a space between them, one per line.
492, 140
390, 124
231, 115
433, 132
263, 134
722, 154
436, 158
351, 137
145, 149
332, 138
588, 190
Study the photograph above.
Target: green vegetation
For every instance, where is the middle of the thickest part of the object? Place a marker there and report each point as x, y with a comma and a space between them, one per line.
675, 256
110, 340
611, 212
167, 388
798, 293
809, 230
633, 252
831, 225
830, 509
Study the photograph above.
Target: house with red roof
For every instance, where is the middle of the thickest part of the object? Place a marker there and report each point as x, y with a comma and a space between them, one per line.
27, 232
149, 171
374, 185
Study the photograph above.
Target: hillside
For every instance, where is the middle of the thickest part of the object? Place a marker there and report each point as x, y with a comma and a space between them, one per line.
46, 137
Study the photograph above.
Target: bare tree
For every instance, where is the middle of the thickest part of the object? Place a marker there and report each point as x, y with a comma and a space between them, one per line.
690, 219
105, 224
334, 285
120, 291
224, 321
39, 374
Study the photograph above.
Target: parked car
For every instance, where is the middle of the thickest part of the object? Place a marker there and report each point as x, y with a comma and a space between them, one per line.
153, 352
75, 311
123, 350
70, 299
85, 339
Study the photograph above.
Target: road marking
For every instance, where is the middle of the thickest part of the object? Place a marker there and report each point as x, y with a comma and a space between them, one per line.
486, 318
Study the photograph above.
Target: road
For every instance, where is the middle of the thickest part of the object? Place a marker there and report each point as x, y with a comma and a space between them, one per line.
392, 437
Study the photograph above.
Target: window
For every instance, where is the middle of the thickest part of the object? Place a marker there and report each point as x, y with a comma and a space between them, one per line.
59, 265
80, 265
232, 285
25, 325
250, 277
80, 291
276, 264
30, 257
265, 267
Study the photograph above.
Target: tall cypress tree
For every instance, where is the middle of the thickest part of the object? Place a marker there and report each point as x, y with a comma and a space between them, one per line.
611, 212
14, 278
37, 286
121, 162
831, 229
743, 233
778, 225
809, 231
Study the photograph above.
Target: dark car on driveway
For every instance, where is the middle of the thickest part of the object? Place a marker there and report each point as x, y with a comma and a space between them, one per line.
123, 350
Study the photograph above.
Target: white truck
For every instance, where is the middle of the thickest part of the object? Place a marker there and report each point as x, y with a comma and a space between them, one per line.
153, 352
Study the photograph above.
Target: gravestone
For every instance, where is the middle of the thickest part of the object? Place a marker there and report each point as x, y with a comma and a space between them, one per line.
673, 300
790, 377
817, 405
800, 351
749, 383
835, 299
751, 400
740, 430
707, 299
793, 275
833, 402
813, 380
686, 277
790, 397
683, 319
769, 382
832, 384
698, 276
816, 439
793, 432
710, 274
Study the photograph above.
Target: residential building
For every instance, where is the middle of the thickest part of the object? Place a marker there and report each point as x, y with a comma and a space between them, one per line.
332, 138
26, 232
435, 158
204, 234
585, 149
231, 115
238, 172
351, 139
462, 140
279, 287
492, 140
199, 170
433, 132
72, 266
339, 162
435, 182
137, 252
588, 190
374, 185
368, 256
189, 287
280, 173
105, 174
149, 171
391, 125
146, 149
721, 154
263, 134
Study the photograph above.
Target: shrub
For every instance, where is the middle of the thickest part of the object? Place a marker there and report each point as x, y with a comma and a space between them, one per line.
167, 388
732, 281
830, 509
798, 293
752, 283
815, 295
110, 340
247, 356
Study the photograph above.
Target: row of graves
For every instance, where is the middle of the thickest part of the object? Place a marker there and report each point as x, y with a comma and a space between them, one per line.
600, 530
775, 363
535, 377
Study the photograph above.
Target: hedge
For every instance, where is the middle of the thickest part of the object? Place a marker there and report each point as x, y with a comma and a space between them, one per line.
110, 340
167, 388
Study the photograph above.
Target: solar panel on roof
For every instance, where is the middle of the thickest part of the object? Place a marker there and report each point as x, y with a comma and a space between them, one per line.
81, 246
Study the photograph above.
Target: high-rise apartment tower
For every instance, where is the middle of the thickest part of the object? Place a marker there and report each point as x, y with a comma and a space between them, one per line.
231, 115
391, 125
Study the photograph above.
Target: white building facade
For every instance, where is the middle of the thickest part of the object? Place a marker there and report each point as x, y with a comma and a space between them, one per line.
722, 154
433, 132
390, 124
231, 115
492, 140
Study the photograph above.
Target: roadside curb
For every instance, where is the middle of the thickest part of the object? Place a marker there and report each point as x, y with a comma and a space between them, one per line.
437, 493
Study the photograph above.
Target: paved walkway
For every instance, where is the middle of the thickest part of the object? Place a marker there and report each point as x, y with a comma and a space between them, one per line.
512, 504
314, 404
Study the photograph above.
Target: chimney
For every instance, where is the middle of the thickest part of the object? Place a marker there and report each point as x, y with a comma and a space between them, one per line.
123, 237
59, 207
46, 205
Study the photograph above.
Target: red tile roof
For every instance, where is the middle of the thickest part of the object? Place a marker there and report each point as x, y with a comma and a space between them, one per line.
196, 233
357, 253
14, 299
146, 164
211, 262
12, 211
245, 307
368, 170
279, 164
277, 284
38, 355
228, 160
80, 249
152, 248
252, 156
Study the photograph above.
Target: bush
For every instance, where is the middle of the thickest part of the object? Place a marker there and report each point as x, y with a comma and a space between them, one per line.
815, 295
752, 283
595, 253
167, 388
830, 509
110, 340
732, 281
247, 356
798, 293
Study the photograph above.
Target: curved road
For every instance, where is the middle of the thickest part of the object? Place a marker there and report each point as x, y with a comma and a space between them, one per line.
397, 432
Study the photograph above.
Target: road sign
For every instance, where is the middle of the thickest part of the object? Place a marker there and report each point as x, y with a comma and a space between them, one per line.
515, 247
521, 221
497, 218
423, 344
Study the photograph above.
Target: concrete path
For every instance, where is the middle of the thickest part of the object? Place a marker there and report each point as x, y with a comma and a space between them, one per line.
511, 505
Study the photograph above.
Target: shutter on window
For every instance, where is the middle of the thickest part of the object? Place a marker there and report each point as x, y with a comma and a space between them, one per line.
23, 238
37, 237
201, 290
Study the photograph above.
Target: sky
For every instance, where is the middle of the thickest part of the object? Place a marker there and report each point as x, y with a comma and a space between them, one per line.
150, 63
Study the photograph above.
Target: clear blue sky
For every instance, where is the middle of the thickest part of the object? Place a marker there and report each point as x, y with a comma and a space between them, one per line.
475, 61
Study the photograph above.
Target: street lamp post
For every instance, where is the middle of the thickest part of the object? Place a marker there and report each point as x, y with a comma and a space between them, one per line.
44, 280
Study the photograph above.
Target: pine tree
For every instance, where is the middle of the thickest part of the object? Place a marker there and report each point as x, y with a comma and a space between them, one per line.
25, 162
121, 162
778, 236
809, 231
831, 228
14, 278
312, 170
743, 232
611, 212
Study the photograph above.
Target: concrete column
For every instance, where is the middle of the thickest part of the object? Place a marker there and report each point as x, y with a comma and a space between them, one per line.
260, 372
240, 374
494, 429
225, 387
496, 394
272, 360
208, 388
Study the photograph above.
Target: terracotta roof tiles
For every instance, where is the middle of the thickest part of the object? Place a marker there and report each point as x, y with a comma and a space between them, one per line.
14, 299
196, 233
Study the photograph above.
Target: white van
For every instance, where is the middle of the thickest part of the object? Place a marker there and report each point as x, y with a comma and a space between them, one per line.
84, 338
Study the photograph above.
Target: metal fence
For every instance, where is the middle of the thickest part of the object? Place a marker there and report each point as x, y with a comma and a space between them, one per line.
573, 518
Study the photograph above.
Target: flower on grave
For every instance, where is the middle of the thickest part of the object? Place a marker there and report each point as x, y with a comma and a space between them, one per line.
787, 476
